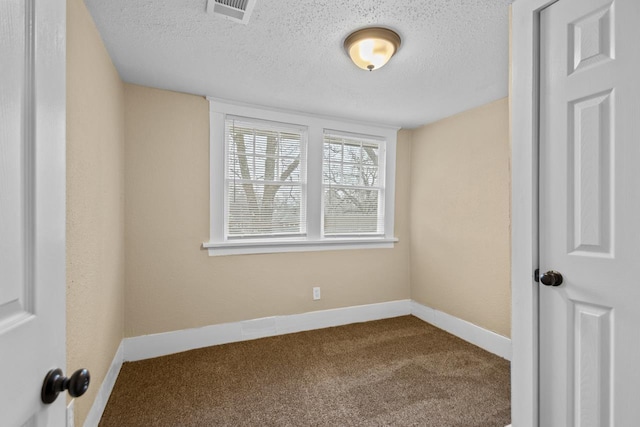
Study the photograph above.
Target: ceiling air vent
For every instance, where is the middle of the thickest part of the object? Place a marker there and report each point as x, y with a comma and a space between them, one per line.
234, 10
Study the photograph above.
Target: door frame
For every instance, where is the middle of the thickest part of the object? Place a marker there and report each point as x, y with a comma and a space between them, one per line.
524, 97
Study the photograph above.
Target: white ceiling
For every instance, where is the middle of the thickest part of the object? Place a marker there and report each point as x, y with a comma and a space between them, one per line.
454, 54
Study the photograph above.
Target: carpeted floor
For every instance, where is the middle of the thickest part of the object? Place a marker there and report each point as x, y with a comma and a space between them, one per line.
394, 372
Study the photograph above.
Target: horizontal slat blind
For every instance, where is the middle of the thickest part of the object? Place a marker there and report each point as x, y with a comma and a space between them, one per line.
265, 179
353, 186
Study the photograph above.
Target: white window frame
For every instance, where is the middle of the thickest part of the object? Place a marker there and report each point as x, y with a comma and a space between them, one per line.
382, 149
316, 126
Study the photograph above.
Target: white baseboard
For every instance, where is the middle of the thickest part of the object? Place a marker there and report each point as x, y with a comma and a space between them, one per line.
100, 403
155, 345
148, 346
483, 338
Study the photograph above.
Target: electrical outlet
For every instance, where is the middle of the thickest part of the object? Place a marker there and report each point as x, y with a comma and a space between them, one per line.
316, 293
70, 419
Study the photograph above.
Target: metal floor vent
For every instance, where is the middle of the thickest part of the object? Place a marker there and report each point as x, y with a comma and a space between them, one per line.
234, 10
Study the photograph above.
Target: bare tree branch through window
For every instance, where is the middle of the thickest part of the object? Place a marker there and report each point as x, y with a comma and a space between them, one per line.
264, 181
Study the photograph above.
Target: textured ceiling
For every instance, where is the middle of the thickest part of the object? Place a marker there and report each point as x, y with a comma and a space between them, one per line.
454, 54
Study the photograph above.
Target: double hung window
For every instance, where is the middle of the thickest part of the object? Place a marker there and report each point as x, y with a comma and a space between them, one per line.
265, 179
352, 186
284, 182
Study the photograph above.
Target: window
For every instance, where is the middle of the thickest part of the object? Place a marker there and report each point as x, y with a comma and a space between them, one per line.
284, 182
265, 179
352, 186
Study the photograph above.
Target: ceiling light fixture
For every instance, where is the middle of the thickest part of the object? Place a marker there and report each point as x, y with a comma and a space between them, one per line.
371, 48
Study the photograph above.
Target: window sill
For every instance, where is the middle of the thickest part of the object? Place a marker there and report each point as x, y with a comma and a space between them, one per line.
267, 247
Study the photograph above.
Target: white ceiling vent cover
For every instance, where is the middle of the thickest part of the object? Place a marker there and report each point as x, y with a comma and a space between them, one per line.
234, 10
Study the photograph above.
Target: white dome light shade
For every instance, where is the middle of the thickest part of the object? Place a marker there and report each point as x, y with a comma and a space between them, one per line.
371, 48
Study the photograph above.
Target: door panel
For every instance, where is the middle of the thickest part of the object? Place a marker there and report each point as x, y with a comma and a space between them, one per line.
592, 364
32, 207
15, 194
589, 212
589, 173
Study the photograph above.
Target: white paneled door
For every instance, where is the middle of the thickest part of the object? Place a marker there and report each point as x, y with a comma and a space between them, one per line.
32, 208
590, 213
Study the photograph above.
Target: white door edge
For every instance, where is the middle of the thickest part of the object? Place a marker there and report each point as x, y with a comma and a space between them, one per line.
524, 209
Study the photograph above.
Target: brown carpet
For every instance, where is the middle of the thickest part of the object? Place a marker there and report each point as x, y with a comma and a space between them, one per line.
394, 372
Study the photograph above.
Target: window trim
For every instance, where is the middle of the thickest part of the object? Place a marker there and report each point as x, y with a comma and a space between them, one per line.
316, 127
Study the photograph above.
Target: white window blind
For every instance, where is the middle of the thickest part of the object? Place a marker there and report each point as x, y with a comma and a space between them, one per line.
353, 185
265, 179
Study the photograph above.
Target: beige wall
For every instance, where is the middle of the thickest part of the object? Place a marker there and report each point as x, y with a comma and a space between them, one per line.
95, 204
172, 284
452, 191
460, 220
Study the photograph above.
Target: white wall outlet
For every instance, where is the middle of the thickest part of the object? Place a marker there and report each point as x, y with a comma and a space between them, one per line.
316, 293
70, 418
